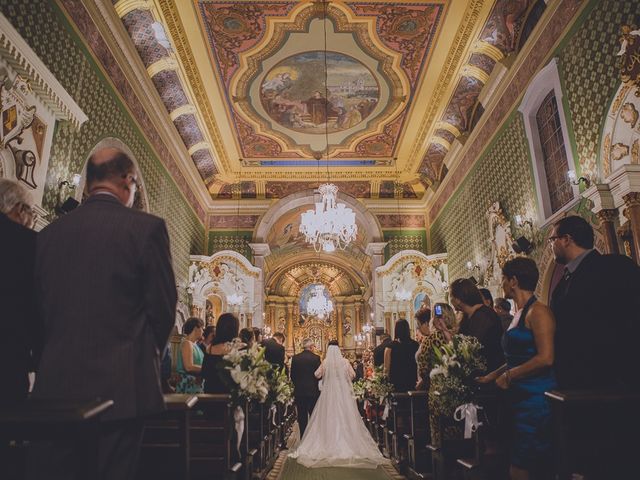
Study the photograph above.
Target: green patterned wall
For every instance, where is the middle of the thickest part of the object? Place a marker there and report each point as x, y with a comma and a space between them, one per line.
230, 240
398, 240
48, 33
504, 173
588, 66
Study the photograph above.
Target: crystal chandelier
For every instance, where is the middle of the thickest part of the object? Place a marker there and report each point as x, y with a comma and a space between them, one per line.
235, 299
318, 303
402, 294
331, 224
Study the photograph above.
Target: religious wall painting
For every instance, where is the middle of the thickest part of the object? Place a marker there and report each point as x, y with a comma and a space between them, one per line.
295, 96
421, 300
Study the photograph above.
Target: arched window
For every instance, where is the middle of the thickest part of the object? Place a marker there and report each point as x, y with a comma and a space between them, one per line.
547, 134
554, 153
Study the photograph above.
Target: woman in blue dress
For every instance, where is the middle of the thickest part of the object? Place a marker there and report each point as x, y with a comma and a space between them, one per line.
528, 348
190, 358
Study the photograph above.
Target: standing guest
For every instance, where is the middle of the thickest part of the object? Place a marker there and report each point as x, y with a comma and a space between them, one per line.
226, 331
111, 264
378, 352
305, 383
423, 318
207, 337
503, 308
400, 358
274, 349
487, 298
257, 334
479, 320
528, 348
358, 367
247, 336
190, 357
16, 292
594, 288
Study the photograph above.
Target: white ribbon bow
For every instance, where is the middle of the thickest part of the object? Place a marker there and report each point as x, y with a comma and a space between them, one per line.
238, 417
468, 412
272, 414
385, 414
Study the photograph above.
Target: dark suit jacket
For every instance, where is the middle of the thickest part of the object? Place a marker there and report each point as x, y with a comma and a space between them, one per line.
108, 298
598, 324
303, 367
17, 311
378, 353
274, 352
486, 326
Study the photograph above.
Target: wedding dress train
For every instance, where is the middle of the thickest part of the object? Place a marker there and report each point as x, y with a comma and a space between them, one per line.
336, 435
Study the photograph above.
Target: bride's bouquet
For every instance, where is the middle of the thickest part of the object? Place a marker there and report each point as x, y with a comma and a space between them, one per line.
456, 362
249, 372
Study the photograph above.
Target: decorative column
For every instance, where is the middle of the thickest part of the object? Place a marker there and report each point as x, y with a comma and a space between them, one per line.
607, 218
339, 314
358, 324
376, 251
260, 251
289, 341
272, 317
632, 204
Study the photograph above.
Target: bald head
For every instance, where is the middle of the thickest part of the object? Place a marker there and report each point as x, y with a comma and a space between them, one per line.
111, 170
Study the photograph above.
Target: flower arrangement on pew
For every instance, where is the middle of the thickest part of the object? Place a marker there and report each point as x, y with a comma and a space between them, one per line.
280, 387
374, 390
456, 363
249, 372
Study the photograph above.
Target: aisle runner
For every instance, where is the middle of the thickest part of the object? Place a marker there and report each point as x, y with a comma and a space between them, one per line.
289, 469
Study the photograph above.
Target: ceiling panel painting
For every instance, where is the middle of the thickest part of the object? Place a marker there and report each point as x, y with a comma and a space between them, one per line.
311, 80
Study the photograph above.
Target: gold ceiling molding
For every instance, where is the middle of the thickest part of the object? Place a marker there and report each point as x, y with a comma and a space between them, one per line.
363, 29
441, 141
199, 146
180, 42
127, 6
185, 109
458, 48
448, 127
487, 49
165, 63
475, 72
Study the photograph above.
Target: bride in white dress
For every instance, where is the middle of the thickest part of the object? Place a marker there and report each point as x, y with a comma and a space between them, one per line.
336, 435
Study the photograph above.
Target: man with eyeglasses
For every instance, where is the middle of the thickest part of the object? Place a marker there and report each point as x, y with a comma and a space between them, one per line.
16, 292
108, 299
597, 308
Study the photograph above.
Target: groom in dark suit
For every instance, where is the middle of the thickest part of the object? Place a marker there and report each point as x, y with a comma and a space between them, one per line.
107, 296
305, 383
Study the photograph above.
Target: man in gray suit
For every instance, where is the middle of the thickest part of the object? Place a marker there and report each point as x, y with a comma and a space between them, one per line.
107, 296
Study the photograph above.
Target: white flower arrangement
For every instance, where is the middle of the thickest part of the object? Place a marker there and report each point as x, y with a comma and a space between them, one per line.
249, 371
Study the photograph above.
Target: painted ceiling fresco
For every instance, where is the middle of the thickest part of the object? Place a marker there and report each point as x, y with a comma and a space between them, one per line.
275, 93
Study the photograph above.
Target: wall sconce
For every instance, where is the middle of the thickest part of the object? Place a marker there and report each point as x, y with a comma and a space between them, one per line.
63, 205
523, 244
575, 180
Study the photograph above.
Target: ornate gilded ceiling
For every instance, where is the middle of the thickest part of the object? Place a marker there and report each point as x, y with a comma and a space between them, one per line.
282, 95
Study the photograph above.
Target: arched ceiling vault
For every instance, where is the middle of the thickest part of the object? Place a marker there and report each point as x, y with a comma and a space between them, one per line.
243, 85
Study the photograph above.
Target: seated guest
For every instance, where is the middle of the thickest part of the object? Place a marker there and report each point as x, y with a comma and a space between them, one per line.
190, 358
503, 308
247, 336
226, 331
487, 298
528, 348
400, 358
378, 352
274, 349
479, 320
17, 294
207, 337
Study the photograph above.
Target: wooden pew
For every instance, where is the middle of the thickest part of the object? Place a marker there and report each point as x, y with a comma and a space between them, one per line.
70, 422
213, 441
261, 438
596, 433
164, 452
419, 457
398, 424
444, 456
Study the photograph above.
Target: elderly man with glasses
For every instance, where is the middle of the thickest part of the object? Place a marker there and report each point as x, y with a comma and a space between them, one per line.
16, 291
